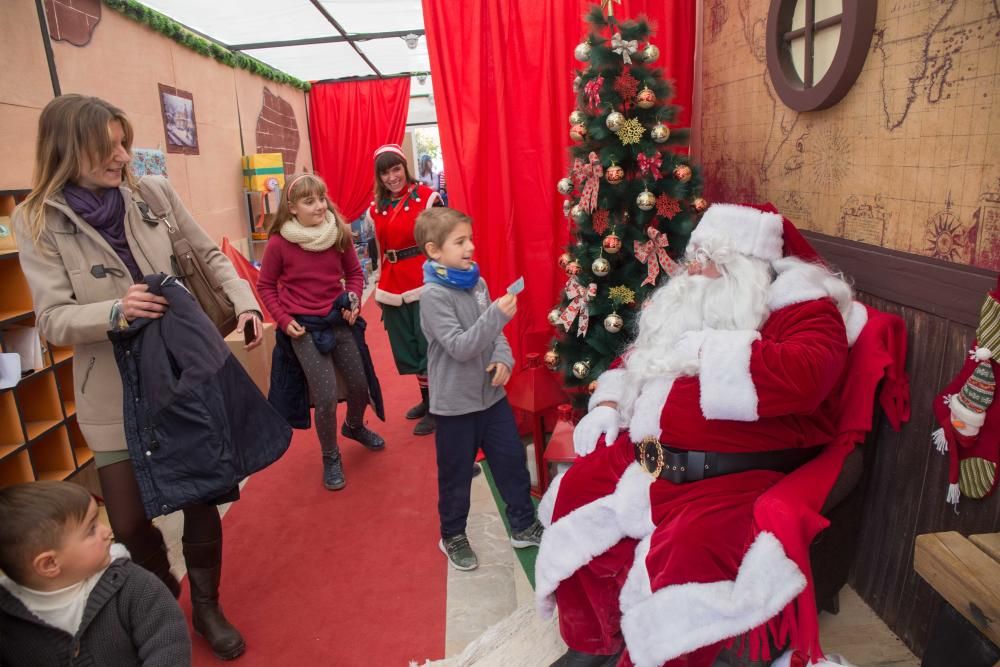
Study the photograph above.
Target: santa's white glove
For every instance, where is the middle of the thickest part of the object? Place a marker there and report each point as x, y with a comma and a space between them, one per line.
601, 420
687, 351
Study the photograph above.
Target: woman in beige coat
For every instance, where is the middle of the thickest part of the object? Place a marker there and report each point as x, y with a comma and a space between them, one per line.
84, 248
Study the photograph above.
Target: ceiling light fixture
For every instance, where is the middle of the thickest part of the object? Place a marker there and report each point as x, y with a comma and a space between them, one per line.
411, 40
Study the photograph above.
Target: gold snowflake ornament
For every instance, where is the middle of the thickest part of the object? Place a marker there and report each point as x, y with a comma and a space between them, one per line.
631, 131
621, 295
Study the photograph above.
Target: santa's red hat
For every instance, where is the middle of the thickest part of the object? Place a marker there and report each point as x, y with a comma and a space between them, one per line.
756, 230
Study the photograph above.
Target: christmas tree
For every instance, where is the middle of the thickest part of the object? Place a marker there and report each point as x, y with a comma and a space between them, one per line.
632, 201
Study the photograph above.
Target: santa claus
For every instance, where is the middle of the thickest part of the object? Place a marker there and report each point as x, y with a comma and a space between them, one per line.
651, 550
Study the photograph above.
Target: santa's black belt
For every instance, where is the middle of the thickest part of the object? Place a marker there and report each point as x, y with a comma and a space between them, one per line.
685, 465
394, 256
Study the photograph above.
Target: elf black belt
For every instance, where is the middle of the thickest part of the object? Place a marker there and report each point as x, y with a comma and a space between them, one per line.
394, 256
684, 465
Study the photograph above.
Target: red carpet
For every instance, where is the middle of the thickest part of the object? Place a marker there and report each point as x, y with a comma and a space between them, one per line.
345, 578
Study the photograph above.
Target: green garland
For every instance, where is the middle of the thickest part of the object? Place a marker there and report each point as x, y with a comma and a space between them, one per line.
175, 31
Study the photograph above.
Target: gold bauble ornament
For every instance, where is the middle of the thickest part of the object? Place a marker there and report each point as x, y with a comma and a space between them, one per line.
614, 323
577, 118
581, 369
700, 204
592, 387
611, 244
582, 52
646, 99
578, 132
614, 121
554, 317
601, 267
579, 214
551, 360
564, 260
565, 186
646, 200
573, 268
660, 133
614, 174
650, 53
682, 173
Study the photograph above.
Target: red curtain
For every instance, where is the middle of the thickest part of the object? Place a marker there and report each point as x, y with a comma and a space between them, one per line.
502, 76
347, 122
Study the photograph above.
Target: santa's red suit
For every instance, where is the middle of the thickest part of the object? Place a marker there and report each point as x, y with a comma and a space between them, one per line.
676, 570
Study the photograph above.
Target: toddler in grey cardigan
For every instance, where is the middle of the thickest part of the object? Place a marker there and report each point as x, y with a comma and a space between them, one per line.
71, 597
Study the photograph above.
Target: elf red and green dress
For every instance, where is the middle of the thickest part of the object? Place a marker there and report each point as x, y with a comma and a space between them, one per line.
400, 282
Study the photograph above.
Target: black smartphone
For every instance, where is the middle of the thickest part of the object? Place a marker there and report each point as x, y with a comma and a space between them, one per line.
249, 333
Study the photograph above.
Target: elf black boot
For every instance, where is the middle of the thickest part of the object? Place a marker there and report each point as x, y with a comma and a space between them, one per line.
420, 409
204, 563
427, 423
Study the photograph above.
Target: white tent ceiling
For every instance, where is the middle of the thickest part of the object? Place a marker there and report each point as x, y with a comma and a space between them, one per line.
368, 43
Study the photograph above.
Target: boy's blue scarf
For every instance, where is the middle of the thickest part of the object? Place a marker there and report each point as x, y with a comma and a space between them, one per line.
449, 277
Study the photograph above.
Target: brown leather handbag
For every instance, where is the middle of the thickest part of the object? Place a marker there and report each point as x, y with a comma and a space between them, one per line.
198, 278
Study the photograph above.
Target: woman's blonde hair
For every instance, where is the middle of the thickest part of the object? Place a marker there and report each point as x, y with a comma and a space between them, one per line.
70, 128
299, 187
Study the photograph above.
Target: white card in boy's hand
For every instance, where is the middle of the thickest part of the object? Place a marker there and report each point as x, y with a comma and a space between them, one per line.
517, 286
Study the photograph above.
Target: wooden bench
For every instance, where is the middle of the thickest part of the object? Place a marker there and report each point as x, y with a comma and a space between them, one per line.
966, 573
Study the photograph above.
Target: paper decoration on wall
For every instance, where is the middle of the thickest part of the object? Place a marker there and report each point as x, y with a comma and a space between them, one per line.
72, 21
148, 162
277, 130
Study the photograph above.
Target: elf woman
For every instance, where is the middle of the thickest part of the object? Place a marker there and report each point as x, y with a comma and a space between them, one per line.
399, 199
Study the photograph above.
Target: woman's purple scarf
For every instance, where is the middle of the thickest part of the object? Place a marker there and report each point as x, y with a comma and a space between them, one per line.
104, 210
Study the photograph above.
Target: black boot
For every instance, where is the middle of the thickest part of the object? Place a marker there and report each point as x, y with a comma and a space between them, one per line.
426, 425
151, 554
420, 409
367, 437
204, 563
573, 658
333, 472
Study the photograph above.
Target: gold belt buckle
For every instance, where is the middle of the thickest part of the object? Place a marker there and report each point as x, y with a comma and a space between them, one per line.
660, 462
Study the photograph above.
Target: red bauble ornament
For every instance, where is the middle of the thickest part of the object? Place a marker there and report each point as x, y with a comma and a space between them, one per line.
614, 174
646, 99
700, 204
611, 243
578, 133
682, 173
573, 268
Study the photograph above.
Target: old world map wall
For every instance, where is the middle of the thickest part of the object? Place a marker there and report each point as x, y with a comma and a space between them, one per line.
909, 159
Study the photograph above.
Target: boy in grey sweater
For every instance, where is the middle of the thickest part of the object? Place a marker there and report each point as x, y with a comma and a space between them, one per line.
468, 364
71, 597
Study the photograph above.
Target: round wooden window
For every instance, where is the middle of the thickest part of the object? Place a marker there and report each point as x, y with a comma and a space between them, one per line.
799, 91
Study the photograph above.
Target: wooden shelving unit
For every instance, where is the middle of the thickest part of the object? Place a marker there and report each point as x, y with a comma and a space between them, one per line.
39, 435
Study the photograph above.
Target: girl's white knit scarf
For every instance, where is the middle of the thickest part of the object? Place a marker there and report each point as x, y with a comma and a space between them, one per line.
315, 239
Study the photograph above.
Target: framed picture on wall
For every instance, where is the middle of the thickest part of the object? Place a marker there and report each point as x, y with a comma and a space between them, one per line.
179, 124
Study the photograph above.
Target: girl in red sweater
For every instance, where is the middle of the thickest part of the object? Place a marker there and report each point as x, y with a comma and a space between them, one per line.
311, 282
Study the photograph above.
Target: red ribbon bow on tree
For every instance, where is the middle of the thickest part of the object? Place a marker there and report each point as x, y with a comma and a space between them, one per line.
589, 174
578, 296
593, 93
650, 165
653, 253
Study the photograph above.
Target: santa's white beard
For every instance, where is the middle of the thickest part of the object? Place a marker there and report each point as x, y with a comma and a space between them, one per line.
734, 301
